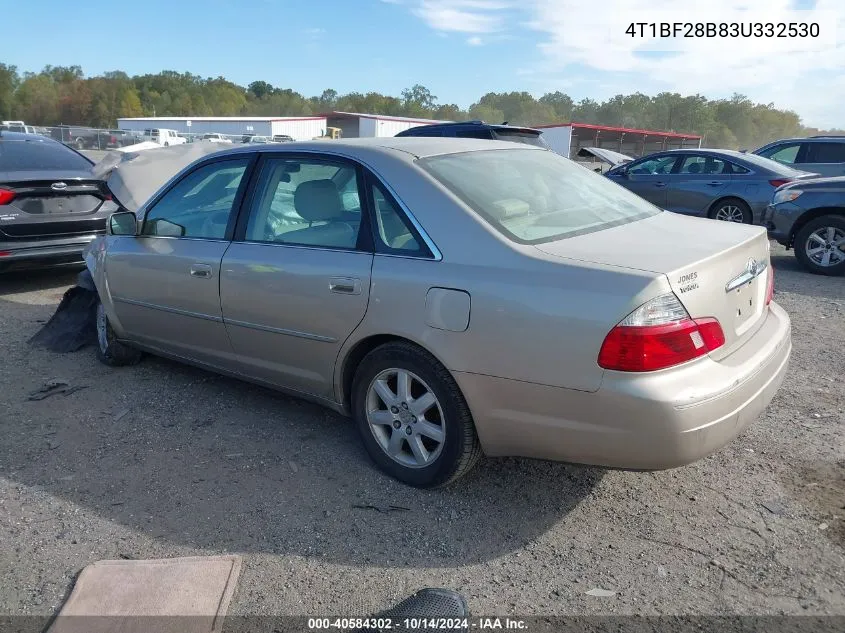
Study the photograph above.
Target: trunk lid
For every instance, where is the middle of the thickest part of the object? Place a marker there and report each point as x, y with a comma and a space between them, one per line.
49, 204
716, 269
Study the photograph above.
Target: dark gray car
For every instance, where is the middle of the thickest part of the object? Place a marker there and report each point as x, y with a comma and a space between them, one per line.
809, 216
718, 184
51, 205
823, 155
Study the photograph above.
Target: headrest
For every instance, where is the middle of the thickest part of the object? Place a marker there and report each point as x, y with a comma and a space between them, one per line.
317, 200
695, 168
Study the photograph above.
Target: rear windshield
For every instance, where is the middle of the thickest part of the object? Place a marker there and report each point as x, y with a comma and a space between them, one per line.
516, 136
536, 196
768, 163
39, 155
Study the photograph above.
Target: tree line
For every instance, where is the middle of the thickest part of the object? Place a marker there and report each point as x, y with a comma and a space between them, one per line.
64, 95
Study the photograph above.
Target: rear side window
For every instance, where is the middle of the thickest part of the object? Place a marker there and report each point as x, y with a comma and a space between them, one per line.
827, 152
534, 196
39, 155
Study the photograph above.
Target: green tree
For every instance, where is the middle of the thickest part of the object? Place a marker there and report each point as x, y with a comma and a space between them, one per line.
9, 81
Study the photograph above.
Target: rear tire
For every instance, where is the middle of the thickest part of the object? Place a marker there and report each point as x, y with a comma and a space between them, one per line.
110, 351
423, 434
820, 245
731, 210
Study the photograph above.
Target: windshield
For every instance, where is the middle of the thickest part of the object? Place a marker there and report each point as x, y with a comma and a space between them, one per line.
518, 136
40, 156
536, 196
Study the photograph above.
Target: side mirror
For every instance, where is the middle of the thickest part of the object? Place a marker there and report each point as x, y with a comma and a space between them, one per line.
123, 223
164, 228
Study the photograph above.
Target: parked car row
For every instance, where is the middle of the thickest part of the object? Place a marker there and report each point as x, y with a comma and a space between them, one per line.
781, 186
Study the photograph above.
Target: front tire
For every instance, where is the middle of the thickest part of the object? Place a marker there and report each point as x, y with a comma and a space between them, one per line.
731, 210
412, 417
110, 351
820, 245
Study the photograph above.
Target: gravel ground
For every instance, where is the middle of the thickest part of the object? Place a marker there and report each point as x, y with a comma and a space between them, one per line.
163, 460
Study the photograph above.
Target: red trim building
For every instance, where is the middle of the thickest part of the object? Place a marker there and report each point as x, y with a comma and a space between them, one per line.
569, 138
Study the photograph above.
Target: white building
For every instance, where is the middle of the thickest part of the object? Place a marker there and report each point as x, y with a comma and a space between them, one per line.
300, 128
358, 125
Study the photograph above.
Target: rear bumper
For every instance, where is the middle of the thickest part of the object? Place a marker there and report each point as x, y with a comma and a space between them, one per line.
647, 421
23, 254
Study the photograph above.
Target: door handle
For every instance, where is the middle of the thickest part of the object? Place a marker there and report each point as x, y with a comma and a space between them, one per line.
660, 185
345, 285
203, 271
715, 183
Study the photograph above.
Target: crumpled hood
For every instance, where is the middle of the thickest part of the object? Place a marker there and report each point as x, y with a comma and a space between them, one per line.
606, 155
135, 173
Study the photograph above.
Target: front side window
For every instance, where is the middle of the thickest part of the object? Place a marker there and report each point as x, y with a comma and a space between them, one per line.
306, 202
653, 166
200, 205
534, 196
786, 154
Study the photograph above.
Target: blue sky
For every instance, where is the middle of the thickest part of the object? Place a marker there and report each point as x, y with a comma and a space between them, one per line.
459, 49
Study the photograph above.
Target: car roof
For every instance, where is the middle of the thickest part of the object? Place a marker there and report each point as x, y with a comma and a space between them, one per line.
711, 152
475, 123
416, 146
5, 135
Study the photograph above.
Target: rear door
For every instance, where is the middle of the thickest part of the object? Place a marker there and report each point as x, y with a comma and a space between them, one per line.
296, 282
164, 283
698, 181
825, 157
648, 177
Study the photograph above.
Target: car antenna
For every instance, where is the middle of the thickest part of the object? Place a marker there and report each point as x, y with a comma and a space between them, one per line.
505, 123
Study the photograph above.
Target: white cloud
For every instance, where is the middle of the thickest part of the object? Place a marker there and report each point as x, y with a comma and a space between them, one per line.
475, 41
806, 75
464, 16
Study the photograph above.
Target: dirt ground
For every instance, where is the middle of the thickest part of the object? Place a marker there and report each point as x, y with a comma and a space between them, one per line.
164, 460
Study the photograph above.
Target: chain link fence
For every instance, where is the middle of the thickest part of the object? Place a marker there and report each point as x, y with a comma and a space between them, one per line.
88, 138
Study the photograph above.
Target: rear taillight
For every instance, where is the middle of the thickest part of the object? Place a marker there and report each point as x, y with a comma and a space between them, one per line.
657, 335
779, 182
770, 286
6, 196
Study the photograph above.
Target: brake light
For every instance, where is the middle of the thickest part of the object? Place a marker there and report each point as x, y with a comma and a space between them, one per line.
6, 196
770, 286
779, 182
657, 335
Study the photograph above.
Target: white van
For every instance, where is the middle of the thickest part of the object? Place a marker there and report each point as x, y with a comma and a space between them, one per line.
163, 137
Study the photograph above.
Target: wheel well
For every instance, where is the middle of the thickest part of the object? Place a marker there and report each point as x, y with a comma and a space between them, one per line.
811, 215
356, 355
721, 200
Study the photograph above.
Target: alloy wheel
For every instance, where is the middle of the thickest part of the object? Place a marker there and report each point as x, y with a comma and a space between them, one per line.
826, 246
730, 213
405, 417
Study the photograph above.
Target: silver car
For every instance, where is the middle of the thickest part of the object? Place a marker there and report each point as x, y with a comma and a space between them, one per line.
717, 184
456, 297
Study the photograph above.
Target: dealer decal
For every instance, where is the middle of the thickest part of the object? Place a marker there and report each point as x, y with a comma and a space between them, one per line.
688, 282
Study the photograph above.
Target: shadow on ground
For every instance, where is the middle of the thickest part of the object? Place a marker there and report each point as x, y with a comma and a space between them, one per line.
209, 462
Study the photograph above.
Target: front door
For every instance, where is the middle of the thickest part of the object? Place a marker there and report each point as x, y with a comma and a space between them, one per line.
698, 183
648, 178
164, 283
297, 283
